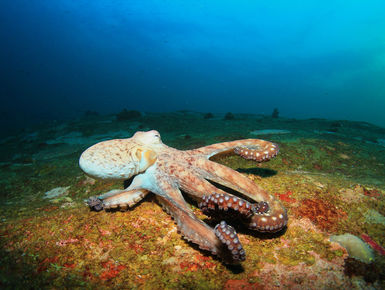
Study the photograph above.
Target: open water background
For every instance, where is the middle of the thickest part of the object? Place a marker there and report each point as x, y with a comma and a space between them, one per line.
323, 59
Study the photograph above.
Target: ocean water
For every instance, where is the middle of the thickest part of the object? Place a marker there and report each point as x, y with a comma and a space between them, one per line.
307, 76
322, 59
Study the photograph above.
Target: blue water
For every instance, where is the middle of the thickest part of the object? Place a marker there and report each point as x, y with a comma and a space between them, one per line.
61, 58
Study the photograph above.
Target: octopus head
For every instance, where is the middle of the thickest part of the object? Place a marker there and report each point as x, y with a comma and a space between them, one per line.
147, 138
120, 158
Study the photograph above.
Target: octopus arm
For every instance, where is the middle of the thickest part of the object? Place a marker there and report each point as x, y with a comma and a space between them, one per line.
117, 198
254, 149
192, 228
271, 221
232, 179
221, 241
195, 184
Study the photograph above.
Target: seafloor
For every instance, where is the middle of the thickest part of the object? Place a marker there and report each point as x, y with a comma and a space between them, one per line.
330, 175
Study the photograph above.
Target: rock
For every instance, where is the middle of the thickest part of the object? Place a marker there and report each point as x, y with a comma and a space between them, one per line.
356, 247
269, 132
57, 191
344, 156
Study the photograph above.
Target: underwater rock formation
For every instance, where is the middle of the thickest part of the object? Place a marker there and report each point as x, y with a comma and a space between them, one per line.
128, 115
275, 113
356, 247
208, 116
56, 192
269, 132
229, 116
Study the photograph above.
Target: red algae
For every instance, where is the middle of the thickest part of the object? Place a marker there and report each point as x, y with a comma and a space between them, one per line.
372, 192
111, 270
322, 213
241, 284
199, 262
373, 244
286, 197
68, 265
43, 265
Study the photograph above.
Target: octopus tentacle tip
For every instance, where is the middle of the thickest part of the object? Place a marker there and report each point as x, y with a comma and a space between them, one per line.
261, 207
234, 252
95, 203
266, 223
258, 153
238, 206
256, 216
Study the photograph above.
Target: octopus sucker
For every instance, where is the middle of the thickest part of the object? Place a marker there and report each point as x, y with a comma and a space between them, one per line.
266, 223
228, 236
261, 207
258, 153
165, 171
117, 198
214, 203
255, 216
196, 231
95, 203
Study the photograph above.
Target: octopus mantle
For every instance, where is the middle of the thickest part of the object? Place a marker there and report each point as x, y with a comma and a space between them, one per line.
166, 171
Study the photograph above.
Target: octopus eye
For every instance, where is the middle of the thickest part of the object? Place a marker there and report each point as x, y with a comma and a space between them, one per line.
157, 137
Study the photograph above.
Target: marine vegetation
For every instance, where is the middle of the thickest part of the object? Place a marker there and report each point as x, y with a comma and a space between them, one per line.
330, 183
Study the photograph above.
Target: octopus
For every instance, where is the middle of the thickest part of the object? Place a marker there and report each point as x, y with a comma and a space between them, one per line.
220, 192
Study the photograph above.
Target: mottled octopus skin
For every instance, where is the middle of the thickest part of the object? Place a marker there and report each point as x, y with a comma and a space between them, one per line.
165, 171
214, 203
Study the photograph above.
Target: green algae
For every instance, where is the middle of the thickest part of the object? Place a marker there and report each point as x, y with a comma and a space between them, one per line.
303, 243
